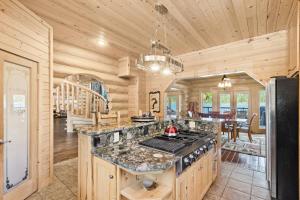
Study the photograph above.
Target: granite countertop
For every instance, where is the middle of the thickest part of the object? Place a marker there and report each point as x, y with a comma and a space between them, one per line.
127, 153
136, 158
99, 129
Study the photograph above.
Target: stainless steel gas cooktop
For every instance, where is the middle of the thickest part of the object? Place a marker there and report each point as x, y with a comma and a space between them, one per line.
187, 145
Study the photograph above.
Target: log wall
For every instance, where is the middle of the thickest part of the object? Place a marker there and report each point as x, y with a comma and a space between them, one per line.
260, 57
25, 34
69, 59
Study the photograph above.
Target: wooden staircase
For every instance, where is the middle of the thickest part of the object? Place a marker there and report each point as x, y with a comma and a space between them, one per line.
82, 105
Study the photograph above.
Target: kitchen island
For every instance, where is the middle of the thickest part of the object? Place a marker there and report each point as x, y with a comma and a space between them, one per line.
113, 164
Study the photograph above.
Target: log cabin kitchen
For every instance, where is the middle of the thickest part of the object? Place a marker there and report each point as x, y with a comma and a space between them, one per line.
149, 99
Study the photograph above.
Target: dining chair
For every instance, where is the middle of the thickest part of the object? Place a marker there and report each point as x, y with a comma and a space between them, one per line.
247, 127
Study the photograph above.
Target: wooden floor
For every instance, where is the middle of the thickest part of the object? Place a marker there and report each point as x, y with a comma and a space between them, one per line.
65, 144
255, 163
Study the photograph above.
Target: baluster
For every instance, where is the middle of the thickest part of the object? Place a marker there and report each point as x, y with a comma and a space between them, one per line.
94, 103
68, 94
77, 100
72, 103
87, 104
81, 101
62, 96
97, 105
101, 105
57, 99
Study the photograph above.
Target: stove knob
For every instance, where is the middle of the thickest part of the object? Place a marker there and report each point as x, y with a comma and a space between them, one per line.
211, 141
187, 161
201, 149
192, 157
197, 152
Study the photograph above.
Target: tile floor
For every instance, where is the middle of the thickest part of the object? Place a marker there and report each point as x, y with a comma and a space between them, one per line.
64, 186
239, 183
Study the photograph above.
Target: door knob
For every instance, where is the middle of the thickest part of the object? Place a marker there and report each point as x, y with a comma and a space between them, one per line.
3, 142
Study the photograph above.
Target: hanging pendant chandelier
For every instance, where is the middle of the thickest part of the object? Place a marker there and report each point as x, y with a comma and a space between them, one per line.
225, 82
159, 60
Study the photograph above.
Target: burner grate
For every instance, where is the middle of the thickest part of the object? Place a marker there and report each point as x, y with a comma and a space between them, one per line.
169, 146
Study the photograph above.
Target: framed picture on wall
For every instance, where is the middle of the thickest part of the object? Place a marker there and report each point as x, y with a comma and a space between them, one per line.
154, 101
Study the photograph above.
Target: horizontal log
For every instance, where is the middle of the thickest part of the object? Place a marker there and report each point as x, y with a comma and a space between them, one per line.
60, 46
68, 59
107, 78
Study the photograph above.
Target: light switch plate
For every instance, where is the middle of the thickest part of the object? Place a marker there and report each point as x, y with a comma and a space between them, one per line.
116, 137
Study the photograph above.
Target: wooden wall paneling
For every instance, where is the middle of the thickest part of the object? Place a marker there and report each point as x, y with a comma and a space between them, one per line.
60, 46
260, 57
50, 86
294, 39
69, 60
26, 35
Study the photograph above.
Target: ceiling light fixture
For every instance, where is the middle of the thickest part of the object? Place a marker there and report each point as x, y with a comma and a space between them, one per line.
225, 82
102, 42
159, 59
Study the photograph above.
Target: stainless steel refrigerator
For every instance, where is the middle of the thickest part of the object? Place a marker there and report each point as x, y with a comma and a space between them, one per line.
282, 137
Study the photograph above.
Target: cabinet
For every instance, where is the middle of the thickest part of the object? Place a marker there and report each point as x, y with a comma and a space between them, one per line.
105, 181
181, 186
192, 184
215, 166
201, 177
196, 180
210, 167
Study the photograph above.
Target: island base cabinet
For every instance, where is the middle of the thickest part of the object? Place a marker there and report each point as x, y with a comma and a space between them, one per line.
105, 181
112, 183
196, 180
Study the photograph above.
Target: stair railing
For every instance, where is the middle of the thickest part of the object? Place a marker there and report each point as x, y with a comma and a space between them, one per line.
79, 100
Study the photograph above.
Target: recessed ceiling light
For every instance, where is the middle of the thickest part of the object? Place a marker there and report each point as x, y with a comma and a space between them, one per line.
102, 42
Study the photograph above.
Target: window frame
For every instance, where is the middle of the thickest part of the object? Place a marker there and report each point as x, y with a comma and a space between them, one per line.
201, 100
230, 100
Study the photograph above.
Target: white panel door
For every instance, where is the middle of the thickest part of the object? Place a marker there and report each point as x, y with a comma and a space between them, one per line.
18, 116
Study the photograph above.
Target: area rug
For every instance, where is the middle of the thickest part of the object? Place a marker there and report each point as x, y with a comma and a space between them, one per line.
243, 145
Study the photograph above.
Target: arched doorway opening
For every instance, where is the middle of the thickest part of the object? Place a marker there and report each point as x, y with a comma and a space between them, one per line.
76, 98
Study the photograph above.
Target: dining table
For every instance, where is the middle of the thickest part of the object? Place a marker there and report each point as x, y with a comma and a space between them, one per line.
232, 123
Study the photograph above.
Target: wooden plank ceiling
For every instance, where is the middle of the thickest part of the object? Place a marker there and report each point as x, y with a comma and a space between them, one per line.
127, 25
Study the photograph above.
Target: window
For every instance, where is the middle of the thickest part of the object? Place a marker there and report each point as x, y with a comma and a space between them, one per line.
172, 107
262, 109
242, 104
207, 102
99, 88
224, 102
